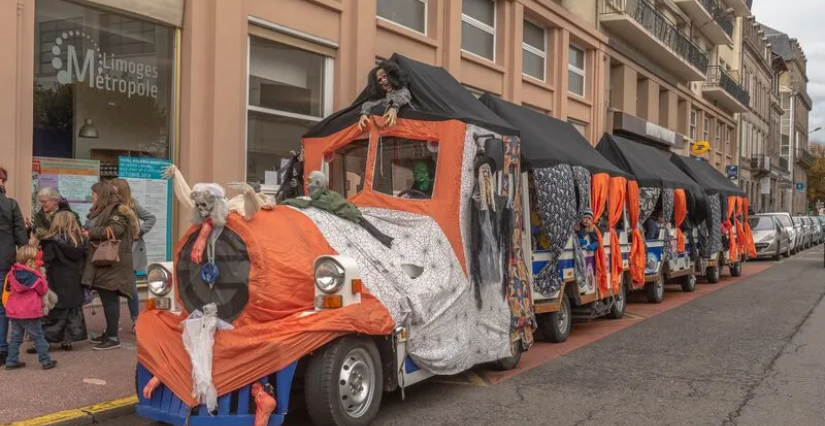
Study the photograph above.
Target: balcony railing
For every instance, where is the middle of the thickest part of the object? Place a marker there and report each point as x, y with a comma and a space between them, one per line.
805, 158
661, 28
719, 15
718, 77
761, 163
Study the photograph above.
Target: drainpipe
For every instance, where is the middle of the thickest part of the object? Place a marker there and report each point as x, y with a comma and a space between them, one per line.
792, 151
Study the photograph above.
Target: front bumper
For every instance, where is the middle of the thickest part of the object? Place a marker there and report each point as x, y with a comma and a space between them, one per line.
766, 249
234, 408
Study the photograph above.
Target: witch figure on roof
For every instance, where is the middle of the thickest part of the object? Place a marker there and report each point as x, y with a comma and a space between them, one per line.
386, 88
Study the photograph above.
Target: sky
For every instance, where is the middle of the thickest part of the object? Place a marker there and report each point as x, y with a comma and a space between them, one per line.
803, 20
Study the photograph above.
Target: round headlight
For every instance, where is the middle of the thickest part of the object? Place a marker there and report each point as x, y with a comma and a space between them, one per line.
652, 261
329, 276
158, 281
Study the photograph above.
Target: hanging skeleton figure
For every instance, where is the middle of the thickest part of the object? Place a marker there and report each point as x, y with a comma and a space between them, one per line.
293, 180
198, 337
386, 88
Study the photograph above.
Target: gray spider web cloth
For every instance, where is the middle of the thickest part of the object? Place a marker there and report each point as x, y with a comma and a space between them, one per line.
648, 198
667, 214
582, 177
711, 237
448, 334
556, 196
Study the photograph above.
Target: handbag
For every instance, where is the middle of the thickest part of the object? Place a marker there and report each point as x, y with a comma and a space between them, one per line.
107, 252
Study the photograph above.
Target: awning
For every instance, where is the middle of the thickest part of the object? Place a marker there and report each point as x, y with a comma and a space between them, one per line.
548, 142
710, 179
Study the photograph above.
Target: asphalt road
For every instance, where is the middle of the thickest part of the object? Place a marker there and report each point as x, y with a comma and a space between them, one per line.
752, 353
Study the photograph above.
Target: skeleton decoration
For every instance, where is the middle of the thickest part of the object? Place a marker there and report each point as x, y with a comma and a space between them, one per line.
386, 88
198, 337
293, 180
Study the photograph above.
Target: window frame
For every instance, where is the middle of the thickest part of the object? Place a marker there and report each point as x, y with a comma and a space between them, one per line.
328, 86
573, 122
693, 120
582, 72
706, 129
718, 135
376, 161
483, 27
426, 10
534, 50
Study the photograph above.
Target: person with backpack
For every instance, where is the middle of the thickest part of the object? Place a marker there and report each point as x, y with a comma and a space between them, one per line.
12, 235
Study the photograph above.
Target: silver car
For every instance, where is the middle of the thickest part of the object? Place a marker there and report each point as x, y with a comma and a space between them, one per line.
787, 224
771, 238
817, 227
799, 235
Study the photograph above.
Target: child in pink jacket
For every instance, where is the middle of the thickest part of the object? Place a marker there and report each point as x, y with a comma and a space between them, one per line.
25, 308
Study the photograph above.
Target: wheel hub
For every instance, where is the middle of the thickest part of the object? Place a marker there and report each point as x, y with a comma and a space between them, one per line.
563, 317
355, 383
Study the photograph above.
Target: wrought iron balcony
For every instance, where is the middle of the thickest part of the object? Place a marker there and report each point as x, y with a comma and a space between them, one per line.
804, 158
723, 86
706, 13
641, 25
761, 164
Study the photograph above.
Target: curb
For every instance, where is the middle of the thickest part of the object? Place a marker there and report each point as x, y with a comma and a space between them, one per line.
88, 415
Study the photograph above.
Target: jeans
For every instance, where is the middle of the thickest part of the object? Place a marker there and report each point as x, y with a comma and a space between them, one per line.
34, 328
111, 311
134, 302
4, 322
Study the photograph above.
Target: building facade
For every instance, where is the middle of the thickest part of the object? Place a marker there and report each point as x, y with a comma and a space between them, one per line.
796, 106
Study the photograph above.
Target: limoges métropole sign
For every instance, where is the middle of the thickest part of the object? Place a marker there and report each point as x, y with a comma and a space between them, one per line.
95, 67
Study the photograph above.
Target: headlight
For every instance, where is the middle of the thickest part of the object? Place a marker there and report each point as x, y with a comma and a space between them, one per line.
652, 261
329, 276
158, 281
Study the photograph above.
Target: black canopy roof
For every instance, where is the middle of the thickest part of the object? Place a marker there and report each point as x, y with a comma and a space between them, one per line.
436, 96
710, 179
649, 165
547, 141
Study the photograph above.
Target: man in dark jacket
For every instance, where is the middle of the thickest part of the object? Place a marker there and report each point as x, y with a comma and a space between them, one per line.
12, 235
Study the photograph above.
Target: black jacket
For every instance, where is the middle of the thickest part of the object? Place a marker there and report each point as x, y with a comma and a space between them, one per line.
12, 230
64, 269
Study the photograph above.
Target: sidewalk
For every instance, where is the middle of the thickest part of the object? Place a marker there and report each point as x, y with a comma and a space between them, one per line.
83, 377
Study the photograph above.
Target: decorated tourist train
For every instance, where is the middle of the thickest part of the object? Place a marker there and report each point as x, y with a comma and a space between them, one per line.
576, 272
402, 261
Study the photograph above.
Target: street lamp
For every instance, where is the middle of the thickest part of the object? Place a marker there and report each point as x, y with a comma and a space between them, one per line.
815, 130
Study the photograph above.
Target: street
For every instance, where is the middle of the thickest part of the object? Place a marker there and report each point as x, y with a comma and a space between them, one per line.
747, 354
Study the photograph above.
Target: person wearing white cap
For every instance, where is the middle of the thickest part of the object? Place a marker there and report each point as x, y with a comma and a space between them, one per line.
586, 229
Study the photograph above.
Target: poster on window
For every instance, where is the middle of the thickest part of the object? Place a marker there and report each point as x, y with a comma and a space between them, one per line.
154, 193
72, 177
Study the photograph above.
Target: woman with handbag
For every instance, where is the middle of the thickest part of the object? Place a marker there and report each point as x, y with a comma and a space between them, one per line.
109, 262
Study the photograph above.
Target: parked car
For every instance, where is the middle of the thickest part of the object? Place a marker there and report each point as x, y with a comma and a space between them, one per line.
770, 237
807, 226
799, 240
787, 224
817, 228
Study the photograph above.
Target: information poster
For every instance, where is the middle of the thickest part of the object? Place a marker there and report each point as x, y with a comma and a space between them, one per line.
154, 193
72, 177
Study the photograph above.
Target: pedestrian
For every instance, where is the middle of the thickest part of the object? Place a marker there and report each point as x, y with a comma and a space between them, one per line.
12, 235
24, 308
109, 221
143, 221
50, 202
64, 255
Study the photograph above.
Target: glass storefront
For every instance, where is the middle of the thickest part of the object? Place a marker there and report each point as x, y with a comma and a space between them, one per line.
103, 96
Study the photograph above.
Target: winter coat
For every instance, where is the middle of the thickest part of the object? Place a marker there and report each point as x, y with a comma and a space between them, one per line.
27, 290
64, 268
147, 222
117, 277
43, 221
12, 230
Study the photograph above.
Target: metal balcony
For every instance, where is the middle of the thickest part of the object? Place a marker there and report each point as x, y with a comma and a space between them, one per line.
804, 158
740, 7
710, 18
724, 88
761, 164
652, 33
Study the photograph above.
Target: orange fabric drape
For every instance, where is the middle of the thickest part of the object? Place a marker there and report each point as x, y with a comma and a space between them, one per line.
734, 245
616, 199
638, 252
740, 230
749, 244
600, 185
679, 215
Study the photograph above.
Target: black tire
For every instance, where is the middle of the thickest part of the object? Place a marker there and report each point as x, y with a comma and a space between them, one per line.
619, 304
511, 362
688, 283
713, 274
358, 359
655, 291
556, 326
736, 269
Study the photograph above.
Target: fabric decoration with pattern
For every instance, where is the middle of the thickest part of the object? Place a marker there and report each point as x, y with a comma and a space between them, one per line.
667, 213
555, 193
598, 197
582, 178
616, 200
649, 198
638, 252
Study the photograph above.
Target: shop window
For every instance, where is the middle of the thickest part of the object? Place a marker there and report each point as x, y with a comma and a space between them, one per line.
49, 32
348, 168
534, 56
411, 14
478, 28
289, 92
121, 35
576, 71
405, 168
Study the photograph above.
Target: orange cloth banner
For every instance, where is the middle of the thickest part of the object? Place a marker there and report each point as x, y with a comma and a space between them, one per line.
598, 197
638, 252
734, 244
615, 200
679, 215
751, 247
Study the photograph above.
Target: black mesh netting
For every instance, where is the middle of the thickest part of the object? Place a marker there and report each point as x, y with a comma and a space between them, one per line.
231, 291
